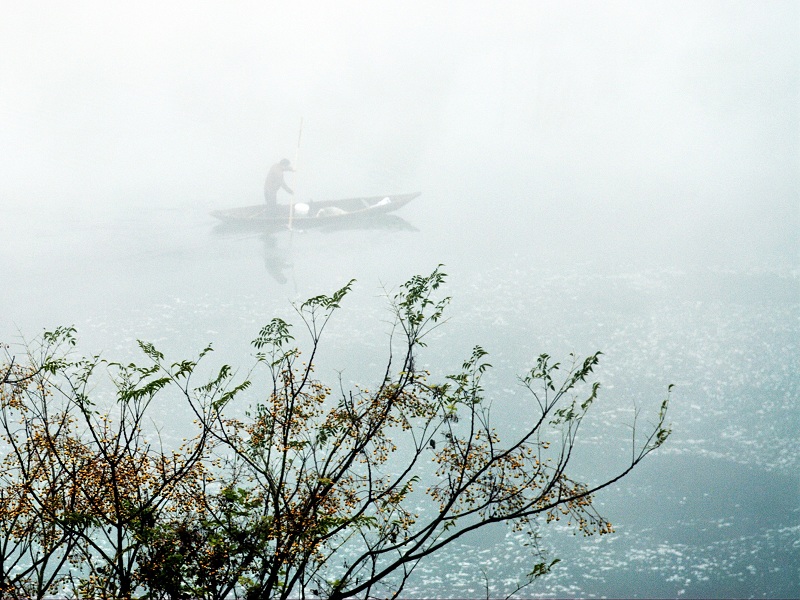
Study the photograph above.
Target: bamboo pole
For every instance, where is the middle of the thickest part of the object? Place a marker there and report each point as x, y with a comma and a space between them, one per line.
296, 159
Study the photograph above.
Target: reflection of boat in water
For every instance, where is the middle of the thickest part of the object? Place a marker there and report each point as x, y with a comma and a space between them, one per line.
277, 259
315, 214
277, 241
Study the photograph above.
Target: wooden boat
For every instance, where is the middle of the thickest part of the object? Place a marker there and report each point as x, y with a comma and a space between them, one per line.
314, 214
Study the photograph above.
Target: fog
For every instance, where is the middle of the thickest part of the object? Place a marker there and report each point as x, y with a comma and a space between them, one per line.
617, 176
676, 120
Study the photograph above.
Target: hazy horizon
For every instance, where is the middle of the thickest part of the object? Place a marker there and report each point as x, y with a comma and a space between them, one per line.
648, 121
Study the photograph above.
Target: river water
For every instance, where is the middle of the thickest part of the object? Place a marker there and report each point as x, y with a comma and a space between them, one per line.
714, 513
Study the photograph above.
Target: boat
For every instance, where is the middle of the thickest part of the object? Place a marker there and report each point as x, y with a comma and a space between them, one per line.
314, 214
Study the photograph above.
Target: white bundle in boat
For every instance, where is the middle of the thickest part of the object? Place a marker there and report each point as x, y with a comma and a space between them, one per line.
330, 211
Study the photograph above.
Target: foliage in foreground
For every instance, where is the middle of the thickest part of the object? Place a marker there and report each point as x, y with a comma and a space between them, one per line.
310, 492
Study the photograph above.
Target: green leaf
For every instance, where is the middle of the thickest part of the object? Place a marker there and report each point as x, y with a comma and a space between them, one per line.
275, 334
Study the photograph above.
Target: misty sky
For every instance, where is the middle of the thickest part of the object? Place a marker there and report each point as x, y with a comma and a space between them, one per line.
675, 118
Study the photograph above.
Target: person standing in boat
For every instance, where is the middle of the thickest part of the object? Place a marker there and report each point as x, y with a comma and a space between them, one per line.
275, 182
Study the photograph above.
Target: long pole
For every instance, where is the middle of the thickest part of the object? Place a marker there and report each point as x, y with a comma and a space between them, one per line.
296, 158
